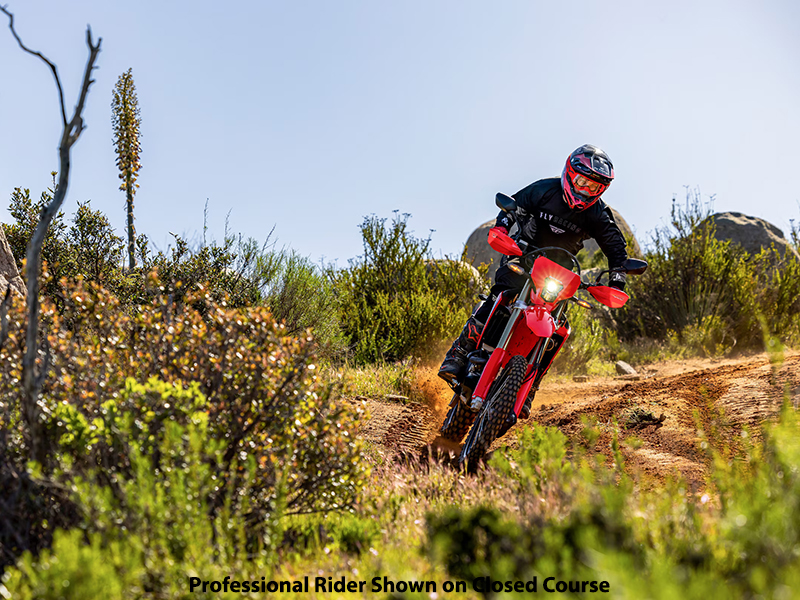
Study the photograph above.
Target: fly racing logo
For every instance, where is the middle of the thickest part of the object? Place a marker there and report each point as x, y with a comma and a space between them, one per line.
564, 225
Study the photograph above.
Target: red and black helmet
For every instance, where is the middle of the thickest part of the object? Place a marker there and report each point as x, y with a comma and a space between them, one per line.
587, 174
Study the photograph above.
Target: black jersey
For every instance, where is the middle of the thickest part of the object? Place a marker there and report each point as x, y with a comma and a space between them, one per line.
546, 220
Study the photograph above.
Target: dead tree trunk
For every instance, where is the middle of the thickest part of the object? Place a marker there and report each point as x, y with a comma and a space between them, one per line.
31, 409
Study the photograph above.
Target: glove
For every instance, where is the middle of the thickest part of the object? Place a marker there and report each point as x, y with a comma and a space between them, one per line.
616, 280
504, 220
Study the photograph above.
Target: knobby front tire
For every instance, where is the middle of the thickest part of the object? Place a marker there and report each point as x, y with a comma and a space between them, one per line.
458, 421
491, 418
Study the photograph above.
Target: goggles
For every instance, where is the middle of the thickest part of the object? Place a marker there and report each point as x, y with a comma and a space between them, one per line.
586, 186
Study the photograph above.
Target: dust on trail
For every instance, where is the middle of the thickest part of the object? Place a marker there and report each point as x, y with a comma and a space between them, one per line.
724, 397
409, 426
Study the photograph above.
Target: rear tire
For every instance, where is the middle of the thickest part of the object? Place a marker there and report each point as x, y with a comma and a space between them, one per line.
458, 421
493, 416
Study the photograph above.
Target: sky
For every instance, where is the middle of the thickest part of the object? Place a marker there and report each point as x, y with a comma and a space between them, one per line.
301, 118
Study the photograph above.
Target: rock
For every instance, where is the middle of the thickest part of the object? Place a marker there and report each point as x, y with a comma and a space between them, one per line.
591, 246
478, 251
396, 398
9, 276
751, 233
580, 378
632, 377
624, 368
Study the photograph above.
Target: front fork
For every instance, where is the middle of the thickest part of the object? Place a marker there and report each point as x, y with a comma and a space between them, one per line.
500, 355
535, 365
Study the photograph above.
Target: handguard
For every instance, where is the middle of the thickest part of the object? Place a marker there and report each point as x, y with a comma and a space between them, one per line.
611, 297
499, 240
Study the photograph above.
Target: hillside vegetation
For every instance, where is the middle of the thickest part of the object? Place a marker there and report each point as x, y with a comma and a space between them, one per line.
200, 423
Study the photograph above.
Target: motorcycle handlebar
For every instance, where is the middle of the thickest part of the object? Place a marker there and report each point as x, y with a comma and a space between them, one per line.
541, 251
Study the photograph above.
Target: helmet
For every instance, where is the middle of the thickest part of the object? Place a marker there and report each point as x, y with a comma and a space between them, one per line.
587, 174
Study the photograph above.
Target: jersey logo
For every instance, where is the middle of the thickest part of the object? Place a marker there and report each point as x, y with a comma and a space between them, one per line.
563, 224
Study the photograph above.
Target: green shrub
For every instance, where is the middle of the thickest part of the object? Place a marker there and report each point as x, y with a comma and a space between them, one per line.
351, 533
707, 296
97, 250
738, 538
693, 281
149, 526
590, 346
776, 294
301, 296
58, 256
396, 301
79, 571
263, 396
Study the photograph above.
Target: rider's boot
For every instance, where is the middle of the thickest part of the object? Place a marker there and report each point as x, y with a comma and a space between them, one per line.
455, 361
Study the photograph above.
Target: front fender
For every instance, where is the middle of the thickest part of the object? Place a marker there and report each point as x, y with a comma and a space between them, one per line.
540, 322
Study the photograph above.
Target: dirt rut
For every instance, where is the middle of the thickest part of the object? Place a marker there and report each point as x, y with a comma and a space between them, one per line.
670, 412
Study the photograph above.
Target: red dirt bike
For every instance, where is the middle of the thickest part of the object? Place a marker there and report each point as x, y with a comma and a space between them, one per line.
508, 361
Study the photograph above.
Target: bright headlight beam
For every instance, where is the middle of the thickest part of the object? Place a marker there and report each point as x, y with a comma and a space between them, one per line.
552, 287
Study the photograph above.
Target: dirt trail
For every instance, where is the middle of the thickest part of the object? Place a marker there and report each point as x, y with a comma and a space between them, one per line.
724, 396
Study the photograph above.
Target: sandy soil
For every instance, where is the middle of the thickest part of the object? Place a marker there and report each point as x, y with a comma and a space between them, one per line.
681, 402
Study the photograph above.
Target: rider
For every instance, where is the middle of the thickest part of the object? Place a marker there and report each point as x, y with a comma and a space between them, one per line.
560, 212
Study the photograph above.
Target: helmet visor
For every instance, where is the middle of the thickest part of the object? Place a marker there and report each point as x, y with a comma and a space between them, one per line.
586, 186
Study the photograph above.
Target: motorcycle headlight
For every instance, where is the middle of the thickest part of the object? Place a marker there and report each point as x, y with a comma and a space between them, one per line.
551, 289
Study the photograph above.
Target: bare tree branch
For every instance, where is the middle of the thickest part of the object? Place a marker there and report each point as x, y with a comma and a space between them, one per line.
32, 383
53, 68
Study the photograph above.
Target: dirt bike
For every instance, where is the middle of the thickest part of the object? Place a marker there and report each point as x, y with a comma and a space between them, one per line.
509, 360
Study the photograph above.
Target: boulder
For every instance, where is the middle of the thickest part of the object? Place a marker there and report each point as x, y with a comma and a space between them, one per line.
591, 246
9, 275
624, 368
751, 233
478, 250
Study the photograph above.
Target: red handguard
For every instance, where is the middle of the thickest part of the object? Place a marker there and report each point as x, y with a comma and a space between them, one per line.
611, 297
500, 241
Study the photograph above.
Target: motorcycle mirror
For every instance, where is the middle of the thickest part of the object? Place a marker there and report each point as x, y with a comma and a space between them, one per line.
635, 266
505, 202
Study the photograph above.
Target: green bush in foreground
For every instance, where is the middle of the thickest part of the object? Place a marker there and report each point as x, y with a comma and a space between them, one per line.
739, 540
149, 527
286, 440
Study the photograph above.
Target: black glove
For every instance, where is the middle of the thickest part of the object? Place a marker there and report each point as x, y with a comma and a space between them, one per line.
504, 219
616, 280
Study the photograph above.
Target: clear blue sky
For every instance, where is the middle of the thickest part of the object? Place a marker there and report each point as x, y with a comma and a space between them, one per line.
309, 115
